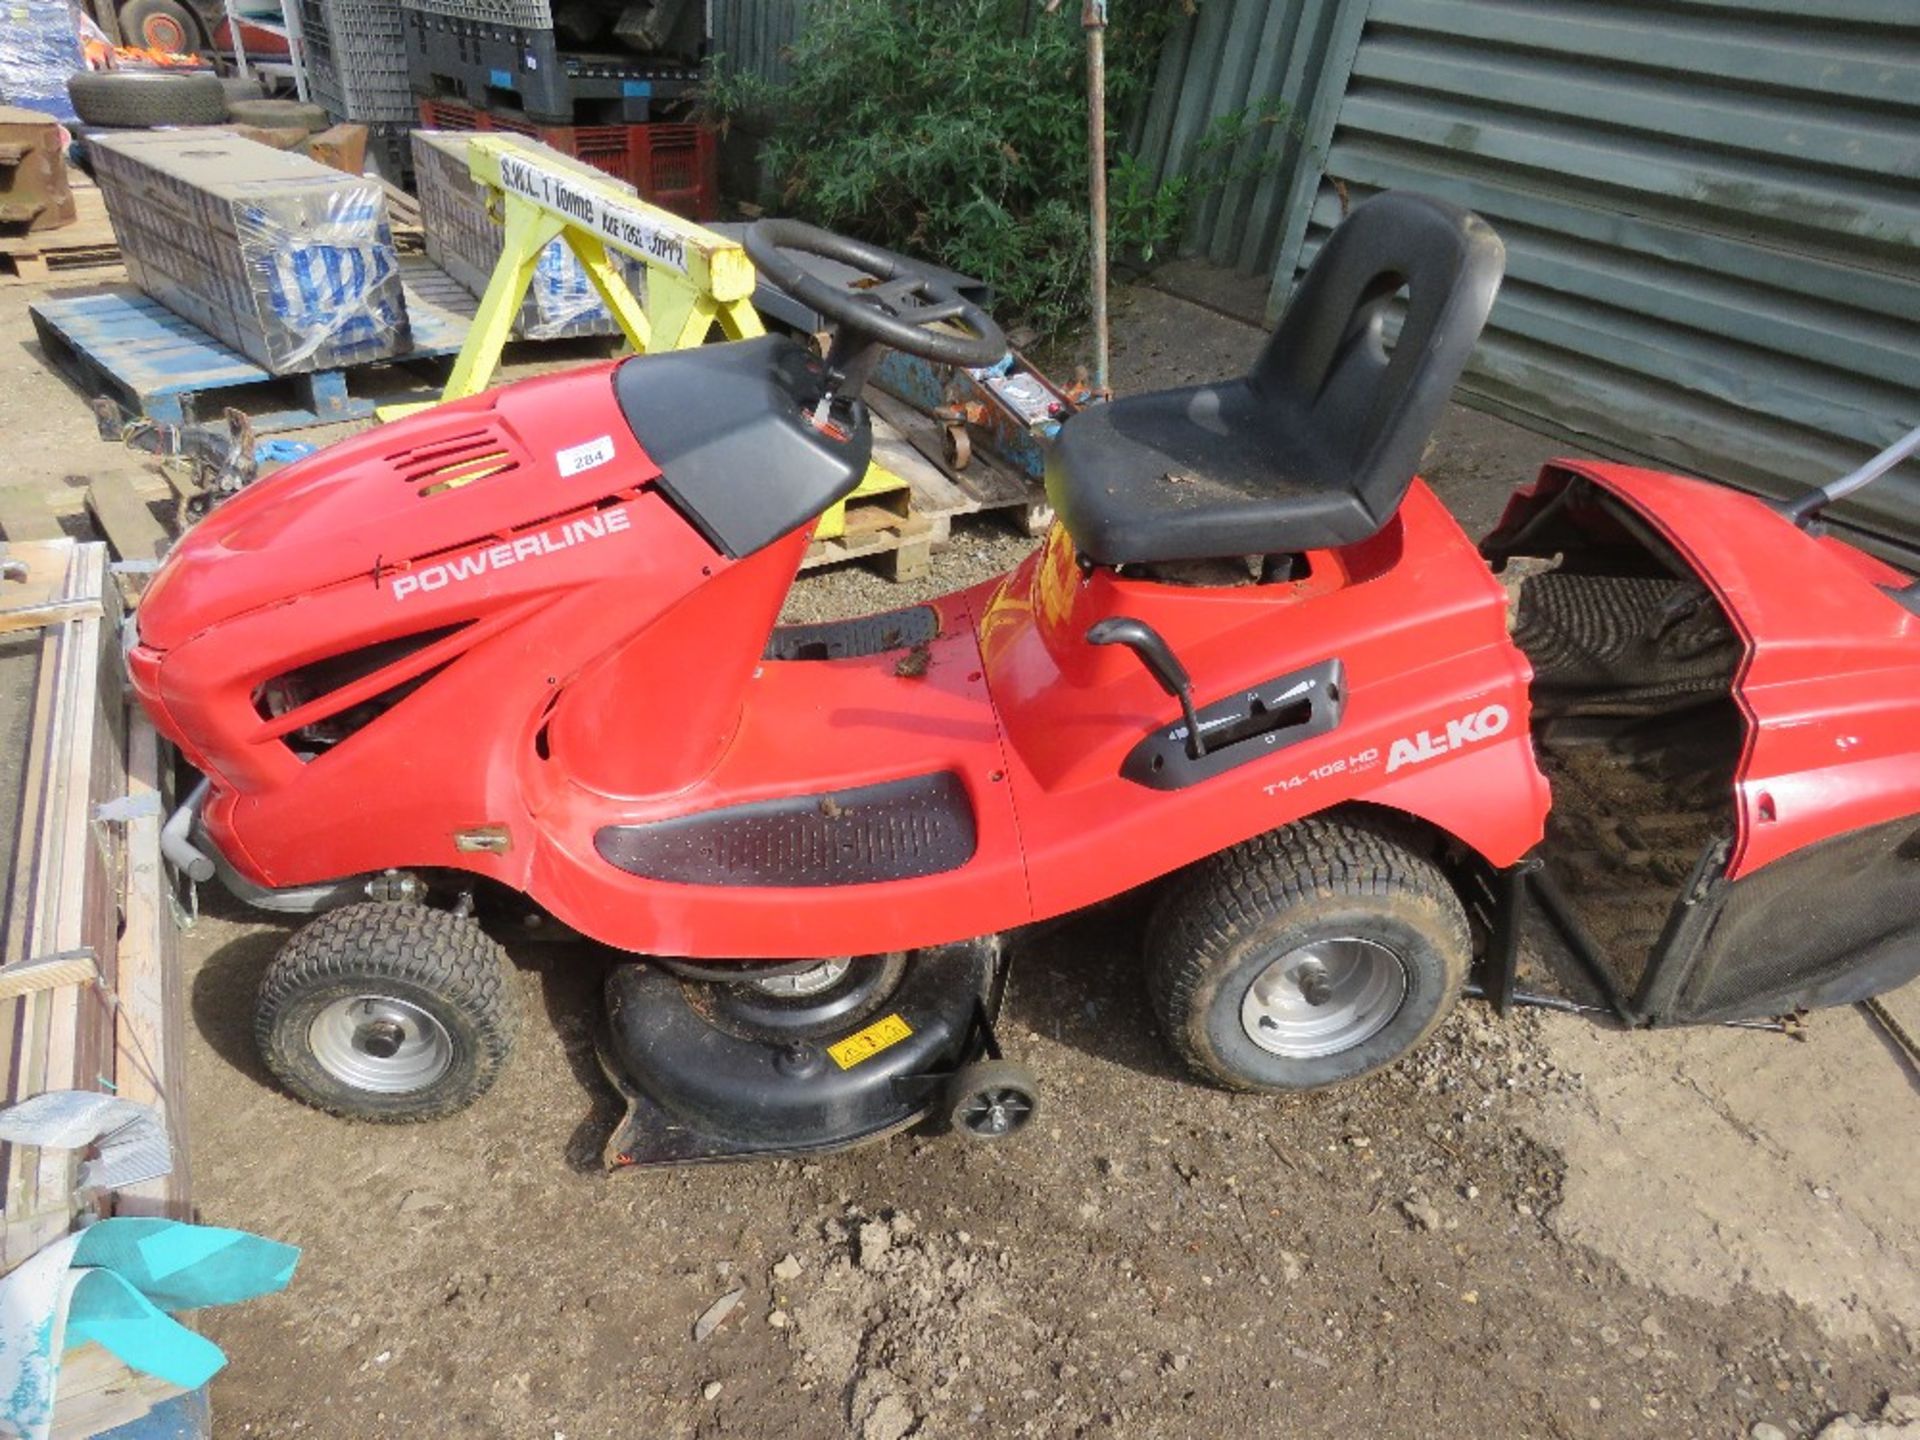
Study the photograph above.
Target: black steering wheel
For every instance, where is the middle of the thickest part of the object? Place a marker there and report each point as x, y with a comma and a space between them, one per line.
900, 308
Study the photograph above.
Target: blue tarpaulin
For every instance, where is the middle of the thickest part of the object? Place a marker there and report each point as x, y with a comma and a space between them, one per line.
39, 48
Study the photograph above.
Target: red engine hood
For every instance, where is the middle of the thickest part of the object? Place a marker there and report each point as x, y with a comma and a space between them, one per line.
444, 478
1830, 685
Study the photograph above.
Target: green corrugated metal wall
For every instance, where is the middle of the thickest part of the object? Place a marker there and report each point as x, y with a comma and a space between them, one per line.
1712, 217
1248, 58
753, 36
1711, 207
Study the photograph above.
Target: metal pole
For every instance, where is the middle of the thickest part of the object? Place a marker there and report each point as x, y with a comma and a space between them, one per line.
1814, 501
1094, 18
1903, 448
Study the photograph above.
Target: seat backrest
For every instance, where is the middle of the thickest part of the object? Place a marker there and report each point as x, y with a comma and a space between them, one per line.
1369, 412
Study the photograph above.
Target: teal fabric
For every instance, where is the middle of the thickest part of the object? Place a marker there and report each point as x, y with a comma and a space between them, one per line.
109, 1310
183, 1267
137, 1270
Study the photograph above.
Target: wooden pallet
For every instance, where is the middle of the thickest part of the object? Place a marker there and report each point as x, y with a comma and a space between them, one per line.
86, 244
985, 483
85, 897
91, 995
897, 530
115, 341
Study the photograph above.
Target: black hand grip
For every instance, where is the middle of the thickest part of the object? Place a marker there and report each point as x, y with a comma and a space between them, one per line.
1144, 641
1154, 652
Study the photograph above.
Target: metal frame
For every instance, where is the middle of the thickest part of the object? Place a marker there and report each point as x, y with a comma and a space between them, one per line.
296, 39
1508, 896
695, 278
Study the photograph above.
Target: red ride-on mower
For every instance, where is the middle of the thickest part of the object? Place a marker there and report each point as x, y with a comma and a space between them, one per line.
530, 639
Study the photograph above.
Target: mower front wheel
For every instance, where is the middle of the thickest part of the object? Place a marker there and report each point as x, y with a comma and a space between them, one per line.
1305, 957
991, 1100
390, 1012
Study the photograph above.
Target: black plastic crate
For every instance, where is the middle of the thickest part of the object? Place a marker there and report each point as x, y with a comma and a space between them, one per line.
512, 68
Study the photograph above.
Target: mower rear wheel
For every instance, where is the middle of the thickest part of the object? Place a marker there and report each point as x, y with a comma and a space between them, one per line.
991, 1100
387, 1012
1307, 956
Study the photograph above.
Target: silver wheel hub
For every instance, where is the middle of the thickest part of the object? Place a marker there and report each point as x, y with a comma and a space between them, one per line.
1323, 998
810, 981
379, 1044
997, 1111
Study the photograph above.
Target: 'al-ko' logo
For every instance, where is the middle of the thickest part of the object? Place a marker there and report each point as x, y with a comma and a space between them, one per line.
1467, 730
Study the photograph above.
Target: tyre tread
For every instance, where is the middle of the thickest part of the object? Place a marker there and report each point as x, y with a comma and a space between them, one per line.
269, 114
1215, 903
434, 949
133, 99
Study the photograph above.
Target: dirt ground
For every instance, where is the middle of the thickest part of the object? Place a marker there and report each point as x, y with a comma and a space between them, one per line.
1532, 1228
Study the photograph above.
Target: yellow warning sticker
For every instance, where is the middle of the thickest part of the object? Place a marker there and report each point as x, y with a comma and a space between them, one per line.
867, 1043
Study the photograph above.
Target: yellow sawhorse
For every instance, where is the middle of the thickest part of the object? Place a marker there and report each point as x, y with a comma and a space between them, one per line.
697, 281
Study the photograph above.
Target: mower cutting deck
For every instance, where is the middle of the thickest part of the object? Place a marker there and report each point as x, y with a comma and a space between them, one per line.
526, 644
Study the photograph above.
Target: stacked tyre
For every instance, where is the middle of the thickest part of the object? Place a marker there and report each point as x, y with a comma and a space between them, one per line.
143, 99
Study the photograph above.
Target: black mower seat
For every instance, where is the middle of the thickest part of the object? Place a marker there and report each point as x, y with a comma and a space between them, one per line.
1317, 446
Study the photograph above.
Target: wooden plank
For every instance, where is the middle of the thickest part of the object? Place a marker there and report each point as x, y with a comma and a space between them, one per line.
100, 915
149, 1061
25, 1237
903, 549
33, 577
24, 517
90, 228
24, 268
912, 557
86, 243
35, 617
55, 896
68, 496
46, 972
934, 493
125, 519
71, 877
96, 1391
21, 1020
403, 210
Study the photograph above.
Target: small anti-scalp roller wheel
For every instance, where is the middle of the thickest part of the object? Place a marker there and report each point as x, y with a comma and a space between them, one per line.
992, 1099
1306, 956
387, 1011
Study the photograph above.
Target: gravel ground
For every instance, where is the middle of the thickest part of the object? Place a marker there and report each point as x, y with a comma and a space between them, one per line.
1153, 1259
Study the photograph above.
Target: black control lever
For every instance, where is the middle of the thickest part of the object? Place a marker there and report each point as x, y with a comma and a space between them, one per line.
1154, 652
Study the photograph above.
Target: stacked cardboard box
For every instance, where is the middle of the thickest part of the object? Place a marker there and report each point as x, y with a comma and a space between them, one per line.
465, 242
288, 262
